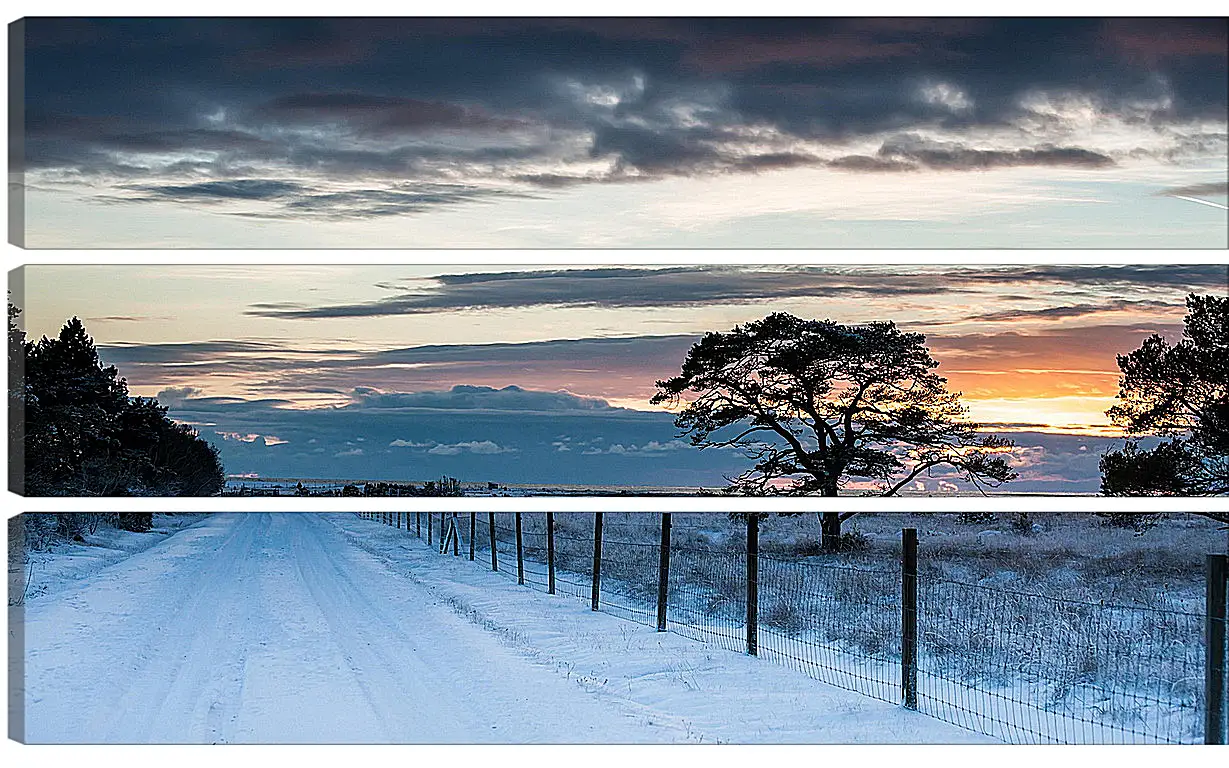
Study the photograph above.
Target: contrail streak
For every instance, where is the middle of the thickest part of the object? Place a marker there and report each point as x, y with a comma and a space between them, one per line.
1204, 202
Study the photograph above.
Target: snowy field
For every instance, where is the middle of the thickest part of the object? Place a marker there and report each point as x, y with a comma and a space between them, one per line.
317, 628
1055, 628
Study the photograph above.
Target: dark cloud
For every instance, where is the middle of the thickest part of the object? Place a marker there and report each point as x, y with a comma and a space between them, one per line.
1073, 310
777, 160
654, 150
366, 203
378, 115
1183, 277
907, 153
1154, 41
238, 189
467, 397
669, 287
181, 352
868, 163
223, 404
368, 114
1213, 188
195, 139
616, 287
295, 200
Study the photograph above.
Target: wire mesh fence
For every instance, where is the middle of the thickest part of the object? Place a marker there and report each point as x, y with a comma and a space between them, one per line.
1035, 669
1023, 668
707, 596
838, 624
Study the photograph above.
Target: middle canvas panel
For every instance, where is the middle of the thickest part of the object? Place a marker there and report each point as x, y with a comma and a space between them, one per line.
477, 380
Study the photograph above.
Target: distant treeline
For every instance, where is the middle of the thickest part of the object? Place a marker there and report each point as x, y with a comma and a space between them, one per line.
445, 486
75, 431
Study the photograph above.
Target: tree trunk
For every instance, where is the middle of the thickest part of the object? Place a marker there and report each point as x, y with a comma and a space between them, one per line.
830, 531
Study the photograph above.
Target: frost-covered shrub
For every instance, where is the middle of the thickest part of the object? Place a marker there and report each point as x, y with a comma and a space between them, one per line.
1140, 522
854, 541
975, 518
1022, 524
135, 521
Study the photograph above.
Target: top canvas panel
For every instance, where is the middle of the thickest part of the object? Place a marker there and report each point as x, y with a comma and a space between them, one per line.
628, 132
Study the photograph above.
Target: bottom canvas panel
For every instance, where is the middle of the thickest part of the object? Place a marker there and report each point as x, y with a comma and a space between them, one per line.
427, 627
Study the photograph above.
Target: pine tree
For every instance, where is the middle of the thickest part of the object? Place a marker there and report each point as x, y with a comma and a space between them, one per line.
85, 436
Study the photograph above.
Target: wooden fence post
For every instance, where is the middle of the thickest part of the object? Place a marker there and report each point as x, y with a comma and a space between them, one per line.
473, 528
456, 536
418, 524
908, 618
429, 529
520, 552
494, 552
753, 584
663, 572
597, 559
550, 553
1214, 670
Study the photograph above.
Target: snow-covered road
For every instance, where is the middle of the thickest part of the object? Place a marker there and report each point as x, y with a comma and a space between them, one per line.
309, 628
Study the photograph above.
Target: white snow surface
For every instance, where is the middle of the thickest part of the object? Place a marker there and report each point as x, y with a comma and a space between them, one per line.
67, 563
327, 628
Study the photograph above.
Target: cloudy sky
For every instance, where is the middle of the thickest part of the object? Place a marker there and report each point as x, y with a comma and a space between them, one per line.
623, 132
543, 374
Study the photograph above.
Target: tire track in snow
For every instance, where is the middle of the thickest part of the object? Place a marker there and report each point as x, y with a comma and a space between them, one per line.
165, 696
366, 639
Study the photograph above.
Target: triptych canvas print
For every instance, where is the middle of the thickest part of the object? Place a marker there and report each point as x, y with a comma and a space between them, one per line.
981, 264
